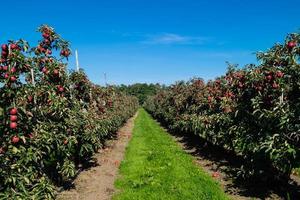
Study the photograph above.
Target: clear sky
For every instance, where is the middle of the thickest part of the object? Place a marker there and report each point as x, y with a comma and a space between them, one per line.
155, 40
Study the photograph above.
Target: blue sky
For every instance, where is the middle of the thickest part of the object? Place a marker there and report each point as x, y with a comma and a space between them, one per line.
156, 40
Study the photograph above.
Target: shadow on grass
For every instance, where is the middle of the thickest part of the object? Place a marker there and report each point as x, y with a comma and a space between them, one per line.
219, 159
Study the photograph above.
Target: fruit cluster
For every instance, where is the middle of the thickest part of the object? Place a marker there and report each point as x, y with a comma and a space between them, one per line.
13, 123
253, 111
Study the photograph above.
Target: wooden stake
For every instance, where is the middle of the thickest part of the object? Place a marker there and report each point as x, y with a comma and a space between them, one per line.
32, 77
281, 97
77, 62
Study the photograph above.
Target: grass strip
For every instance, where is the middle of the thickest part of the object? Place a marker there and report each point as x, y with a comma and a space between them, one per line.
155, 167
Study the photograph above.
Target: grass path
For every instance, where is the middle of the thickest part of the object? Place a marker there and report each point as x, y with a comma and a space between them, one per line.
155, 167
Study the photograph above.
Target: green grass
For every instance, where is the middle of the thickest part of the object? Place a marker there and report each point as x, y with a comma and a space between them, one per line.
155, 167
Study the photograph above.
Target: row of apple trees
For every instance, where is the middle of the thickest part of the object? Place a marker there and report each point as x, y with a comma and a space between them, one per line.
51, 121
253, 111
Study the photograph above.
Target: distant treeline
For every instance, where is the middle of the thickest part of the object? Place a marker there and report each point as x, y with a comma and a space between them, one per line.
141, 90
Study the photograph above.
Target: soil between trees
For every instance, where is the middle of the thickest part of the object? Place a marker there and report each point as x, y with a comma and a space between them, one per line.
97, 183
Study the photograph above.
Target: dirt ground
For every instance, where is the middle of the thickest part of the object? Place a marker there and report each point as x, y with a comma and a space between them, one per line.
97, 183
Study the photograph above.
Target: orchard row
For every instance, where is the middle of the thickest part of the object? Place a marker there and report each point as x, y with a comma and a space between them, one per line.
51, 121
253, 111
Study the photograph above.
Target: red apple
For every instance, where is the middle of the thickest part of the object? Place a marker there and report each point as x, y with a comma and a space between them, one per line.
5, 68
6, 75
269, 77
2, 151
13, 70
61, 89
279, 74
47, 41
13, 111
44, 70
65, 141
275, 85
259, 88
15, 139
291, 44
13, 79
30, 98
13, 125
14, 46
55, 72
13, 118
4, 54
241, 85
65, 52
4, 47
46, 35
